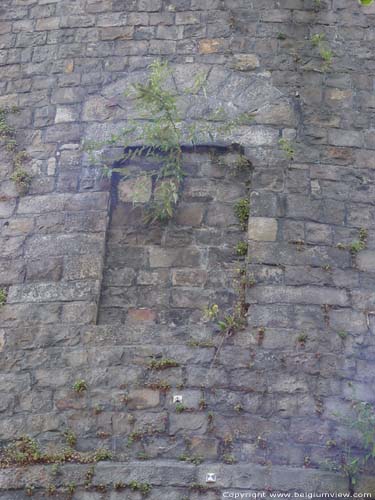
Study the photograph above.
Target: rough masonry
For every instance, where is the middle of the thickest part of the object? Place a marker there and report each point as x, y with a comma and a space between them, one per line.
265, 412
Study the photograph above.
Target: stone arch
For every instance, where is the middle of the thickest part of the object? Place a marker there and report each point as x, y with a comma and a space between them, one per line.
234, 93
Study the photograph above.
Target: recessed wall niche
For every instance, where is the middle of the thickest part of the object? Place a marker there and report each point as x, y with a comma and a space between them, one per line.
168, 273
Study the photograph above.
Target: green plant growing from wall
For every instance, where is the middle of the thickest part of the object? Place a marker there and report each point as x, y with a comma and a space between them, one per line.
51, 490
363, 421
242, 212
70, 488
3, 296
162, 131
27, 451
361, 243
143, 488
241, 248
80, 386
21, 178
179, 407
229, 459
163, 364
302, 339
365, 2
325, 52
196, 460
227, 323
29, 490
287, 148
159, 385
342, 334
102, 454
54, 470
119, 485
6, 131
89, 477
70, 438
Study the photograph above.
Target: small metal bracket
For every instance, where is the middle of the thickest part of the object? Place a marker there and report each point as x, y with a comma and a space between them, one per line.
177, 399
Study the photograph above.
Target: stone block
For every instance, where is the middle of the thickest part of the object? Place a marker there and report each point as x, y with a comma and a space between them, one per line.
62, 133
156, 473
47, 23
65, 114
280, 113
262, 229
255, 135
149, 5
170, 257
141, 399
308, 480
193, 298
245, 62
142, 315
363, 299
12, 272
79, 313
318, 233
221, 215
83, 267
195, 190
67, 95
44, 270
52, 245
209, 46
298, 295
7, 208
53, 292
136, 257
182, 422
117, 33
348, 320
345, 138
159, 277
11, 247
18, 314
190, 214
366, 261
189, 277
2, 340
136, 190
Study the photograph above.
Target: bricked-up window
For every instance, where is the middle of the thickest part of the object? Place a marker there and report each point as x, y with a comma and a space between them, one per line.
169, 273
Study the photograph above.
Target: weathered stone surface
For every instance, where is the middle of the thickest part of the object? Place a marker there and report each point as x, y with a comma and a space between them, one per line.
301, 295
245, 62
141, 399
141, 314
168, 257
7, 208
366, 261
270, 394
58, 202
51, 292
66, 114
262, 229
135, 190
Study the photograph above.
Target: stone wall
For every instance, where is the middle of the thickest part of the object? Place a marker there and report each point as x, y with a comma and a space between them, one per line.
273, 397
168, 274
